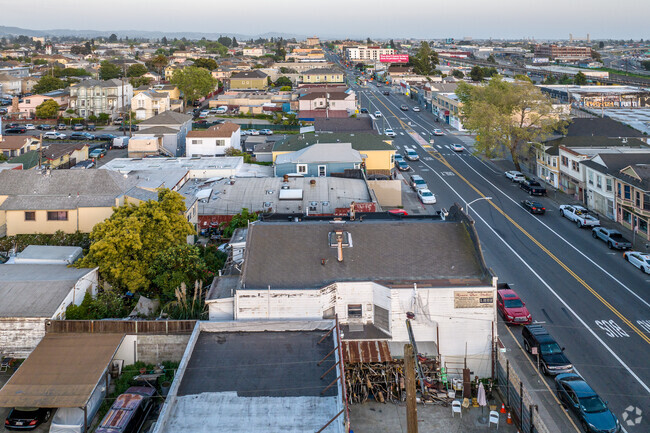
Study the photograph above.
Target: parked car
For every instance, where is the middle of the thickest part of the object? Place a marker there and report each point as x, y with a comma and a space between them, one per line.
266, 132
15, 130
386, 92
457, 147
83, 165
44, 127
512, 308
638, 259
579, 215
417, 182
416, 109
411, 155
515, 176
27, 418
532, 187
61, 127
30, 126
533, 207
389, 132
77, 127
363, 110
126, 128
377, 113
552, 359
105, 137
54, 135
398, 212
404, 107
129, 411
254, 132
593, 413
399, 157
91, 127
613, 238
81, 136
426, 196
97, 153
402, 165
118, 121
438, 132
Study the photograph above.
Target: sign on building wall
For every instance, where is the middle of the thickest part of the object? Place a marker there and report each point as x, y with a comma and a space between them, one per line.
394, 58
473, 299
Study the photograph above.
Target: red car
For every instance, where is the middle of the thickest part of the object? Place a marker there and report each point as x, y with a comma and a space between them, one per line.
512, 308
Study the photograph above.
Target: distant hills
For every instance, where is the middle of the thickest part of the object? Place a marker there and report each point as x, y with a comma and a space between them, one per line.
16, 31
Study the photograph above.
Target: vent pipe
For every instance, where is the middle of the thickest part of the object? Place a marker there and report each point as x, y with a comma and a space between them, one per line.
339, 245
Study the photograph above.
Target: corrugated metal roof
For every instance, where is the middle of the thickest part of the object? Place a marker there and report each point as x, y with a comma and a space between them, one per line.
355, 352
62, 371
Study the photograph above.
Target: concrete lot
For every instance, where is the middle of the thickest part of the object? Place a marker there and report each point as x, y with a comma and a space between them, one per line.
373, 417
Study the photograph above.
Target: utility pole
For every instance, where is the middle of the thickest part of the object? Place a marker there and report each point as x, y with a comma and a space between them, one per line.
411, 403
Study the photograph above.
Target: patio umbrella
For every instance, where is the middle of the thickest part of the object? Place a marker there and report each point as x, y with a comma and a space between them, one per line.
482, 400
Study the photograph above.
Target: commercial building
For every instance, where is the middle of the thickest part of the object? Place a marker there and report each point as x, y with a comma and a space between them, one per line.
632, 186
365, 52
561, 52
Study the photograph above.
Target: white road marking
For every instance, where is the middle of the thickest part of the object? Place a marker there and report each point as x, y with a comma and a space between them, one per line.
438, 146
647, 304
611, 328
401, 133
548, 287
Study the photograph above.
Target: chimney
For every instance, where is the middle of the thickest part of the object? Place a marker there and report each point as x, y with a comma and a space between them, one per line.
339, 244
352, 212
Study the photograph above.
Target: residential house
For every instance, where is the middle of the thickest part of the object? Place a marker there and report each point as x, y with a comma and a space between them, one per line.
169, 71
10, 84
378, 155
600, 180
64, 155
319, 160
28, 105
16, 145
93, 97
323, 76
214, 141
149, 103
254, 52
171, 89
327, 103
180, 122
249, 80
150, 142
632, 186
27, 84
38, 286
395, 72
315, 270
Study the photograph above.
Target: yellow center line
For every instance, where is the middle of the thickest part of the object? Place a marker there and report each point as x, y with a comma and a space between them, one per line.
542, 378
597, 295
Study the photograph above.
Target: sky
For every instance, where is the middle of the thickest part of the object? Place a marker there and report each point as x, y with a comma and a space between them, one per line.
426, 19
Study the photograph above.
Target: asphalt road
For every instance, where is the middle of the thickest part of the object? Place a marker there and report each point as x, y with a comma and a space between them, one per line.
588, 297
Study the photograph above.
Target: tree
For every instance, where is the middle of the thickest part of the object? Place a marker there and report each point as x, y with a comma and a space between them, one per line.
112, 38
178, 264
580, 79
565, 79
646, 65
457, 73
601, 45
491, 59
126, 244
239, 221
225, 41
48, 109
369, 41
48, 83
194, 82
425, 61
476, 74
108, 71
3, 157
550, 80
522, 77
140, 81
164, 40
80, 50
283, 82
234, 42
507, 117
136, 70
103, 118
209, 64
157, 63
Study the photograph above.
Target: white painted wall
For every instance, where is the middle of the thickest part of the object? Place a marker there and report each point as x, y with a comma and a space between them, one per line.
208, 146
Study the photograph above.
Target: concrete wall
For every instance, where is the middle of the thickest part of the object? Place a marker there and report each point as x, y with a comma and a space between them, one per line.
388, 192
20, 335
139, 147
159, 348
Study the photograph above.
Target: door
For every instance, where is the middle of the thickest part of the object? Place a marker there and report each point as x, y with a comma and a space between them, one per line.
322, 170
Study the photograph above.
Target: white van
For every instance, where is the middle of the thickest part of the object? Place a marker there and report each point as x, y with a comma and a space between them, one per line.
121, 142
71, 419
222, 110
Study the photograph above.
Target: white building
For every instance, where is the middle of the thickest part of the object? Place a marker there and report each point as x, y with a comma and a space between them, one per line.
213, 141
92, 97
150, 103
358, 272
364, 52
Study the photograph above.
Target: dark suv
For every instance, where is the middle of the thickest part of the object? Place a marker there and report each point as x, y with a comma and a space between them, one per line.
551, 356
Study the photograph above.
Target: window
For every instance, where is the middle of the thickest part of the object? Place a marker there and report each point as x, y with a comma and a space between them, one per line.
575, 166
30, 216
643, 225
646, 201
618, 190
608, 183
637, 199
627, 217
57, 215
565, 161
197, 141
220, 142
301, 168
591, 177
355, 311
599, 182
626, 192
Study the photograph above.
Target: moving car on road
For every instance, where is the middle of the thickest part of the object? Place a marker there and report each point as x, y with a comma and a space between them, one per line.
593, 413
613, 238
511, 307
377, 113
53, 135
515, 176
27, 418
533, 207
404, 107
426, 196
438, 132
386, 92
389, 132
579, 215
457, 147
552, 359
638, 259
411, 154
416, 109
363, 110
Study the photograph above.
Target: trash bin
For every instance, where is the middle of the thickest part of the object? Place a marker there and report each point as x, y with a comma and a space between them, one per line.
164, 388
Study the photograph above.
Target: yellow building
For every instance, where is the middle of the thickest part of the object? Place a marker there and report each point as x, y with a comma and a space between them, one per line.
378, 154
169, 71
253, 79
65, 155
323, 75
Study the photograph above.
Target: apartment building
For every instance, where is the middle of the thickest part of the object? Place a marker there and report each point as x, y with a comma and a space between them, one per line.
92, 97
562, 52
365, 52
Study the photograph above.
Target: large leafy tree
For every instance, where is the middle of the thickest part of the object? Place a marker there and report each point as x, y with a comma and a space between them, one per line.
425, 61
125, 245
48, 83
580, 79
194, 82
507, 117
136, 70
208, 64
157, 63
108, 70
47, 109
238, 221
176, 265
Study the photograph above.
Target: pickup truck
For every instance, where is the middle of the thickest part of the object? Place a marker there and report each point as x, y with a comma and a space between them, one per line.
579, 215
613, 238
532, 187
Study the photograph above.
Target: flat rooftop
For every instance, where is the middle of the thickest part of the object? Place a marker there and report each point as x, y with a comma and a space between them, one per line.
127, 165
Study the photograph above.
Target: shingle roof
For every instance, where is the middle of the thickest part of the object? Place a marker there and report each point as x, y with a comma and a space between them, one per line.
593, 142
99, 83
321, 152
290, 255
57, 150
255, 73
360, 142
155, 130
602, 127
167, 118
14, 142
223, 130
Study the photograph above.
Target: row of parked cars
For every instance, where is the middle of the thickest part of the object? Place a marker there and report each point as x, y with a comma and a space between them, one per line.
572, 390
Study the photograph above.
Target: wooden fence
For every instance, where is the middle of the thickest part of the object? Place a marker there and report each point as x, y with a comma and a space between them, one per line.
120, 326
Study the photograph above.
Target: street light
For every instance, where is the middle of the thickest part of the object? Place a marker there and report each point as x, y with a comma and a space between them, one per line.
478, 199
